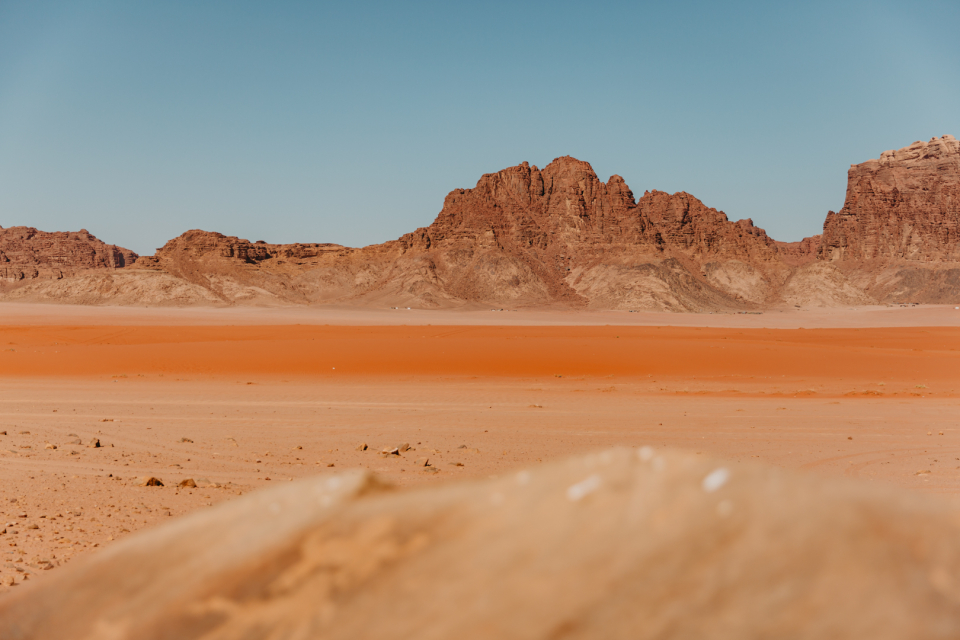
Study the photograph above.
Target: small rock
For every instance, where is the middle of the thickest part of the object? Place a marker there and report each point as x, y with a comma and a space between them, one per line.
422, 462
186, 440
50, 446
75, 441
362, 446
463, 446
24, 433
298, 447
404, 447
150, 481
33, 526
188, 483
431, 470
94, 443
330, 465
3, 433
10, 580
457, 464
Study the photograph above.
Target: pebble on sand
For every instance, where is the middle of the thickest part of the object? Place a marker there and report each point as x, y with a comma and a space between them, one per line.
94, 443
362, 446
151, 481
188, 483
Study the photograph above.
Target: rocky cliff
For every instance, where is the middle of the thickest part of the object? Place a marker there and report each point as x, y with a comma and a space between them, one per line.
27, 254
897, 237
559, 235
904, 206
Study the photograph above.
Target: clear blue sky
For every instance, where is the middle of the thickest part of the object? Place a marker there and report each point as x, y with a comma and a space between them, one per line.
349, 122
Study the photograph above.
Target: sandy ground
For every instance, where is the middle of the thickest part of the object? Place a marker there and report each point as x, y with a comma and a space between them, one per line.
792, 318
237, 399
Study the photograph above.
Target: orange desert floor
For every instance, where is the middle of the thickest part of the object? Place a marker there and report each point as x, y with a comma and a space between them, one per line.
243, 404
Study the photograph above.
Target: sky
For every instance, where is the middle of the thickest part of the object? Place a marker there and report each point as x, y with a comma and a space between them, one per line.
349, 122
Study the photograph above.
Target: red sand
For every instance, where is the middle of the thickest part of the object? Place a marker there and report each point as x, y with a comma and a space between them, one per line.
902, 359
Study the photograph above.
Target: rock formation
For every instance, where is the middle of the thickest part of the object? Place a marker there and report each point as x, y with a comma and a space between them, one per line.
619, 544
27, 254
560, 236
897, 237
904, 206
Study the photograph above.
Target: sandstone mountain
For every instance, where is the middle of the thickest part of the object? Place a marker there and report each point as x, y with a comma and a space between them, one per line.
559, 236
27, 254
898, 234
617, 544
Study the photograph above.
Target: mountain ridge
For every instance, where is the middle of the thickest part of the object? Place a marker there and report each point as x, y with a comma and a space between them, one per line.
559, 236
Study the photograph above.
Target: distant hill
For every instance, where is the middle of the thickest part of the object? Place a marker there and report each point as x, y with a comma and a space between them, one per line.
557, 236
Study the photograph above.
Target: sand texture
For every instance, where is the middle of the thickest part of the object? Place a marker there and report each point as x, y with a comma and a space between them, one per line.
839, 428
619, 544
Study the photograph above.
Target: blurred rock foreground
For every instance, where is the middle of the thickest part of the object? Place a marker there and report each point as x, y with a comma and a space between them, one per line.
619, 544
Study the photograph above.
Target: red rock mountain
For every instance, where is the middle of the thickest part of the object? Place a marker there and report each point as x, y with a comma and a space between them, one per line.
904, 206
27, 254
898, 233
525, 236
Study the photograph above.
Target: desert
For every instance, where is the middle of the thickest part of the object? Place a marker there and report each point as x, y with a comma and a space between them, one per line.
531, 321
236, 401
149, 401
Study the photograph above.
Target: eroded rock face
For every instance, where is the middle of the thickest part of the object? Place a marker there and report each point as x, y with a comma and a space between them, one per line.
27, 254
573, 239
904, 206
521, 237
526, 237
618, 544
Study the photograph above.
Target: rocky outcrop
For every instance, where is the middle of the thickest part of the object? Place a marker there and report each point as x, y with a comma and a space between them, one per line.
897, 237
903, 207
521, 237
27, 254
799, 253
618, 544
560, 236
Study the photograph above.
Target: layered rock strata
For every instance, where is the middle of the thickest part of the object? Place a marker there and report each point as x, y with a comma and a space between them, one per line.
904, 206
27, 254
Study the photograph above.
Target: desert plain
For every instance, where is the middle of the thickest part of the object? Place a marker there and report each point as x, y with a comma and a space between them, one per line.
237, 399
